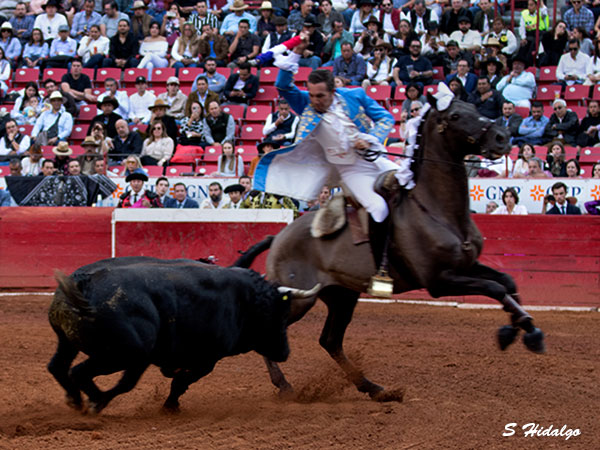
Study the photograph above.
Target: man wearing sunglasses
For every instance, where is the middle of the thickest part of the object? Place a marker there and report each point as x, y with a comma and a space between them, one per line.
572, 66
579, 16
563, 124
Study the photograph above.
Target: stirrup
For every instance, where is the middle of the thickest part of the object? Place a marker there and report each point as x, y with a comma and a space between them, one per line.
381, 285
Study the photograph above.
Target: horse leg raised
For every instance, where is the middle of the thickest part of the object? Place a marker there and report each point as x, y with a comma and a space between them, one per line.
340, 304
482, 280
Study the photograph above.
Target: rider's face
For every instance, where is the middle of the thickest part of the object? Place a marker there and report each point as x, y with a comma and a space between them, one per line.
320, 97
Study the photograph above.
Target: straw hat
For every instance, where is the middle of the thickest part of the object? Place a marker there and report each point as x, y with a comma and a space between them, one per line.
62, 149
238, 5
159, 103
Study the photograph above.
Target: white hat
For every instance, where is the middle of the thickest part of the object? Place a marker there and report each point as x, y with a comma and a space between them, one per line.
56, 94
6, 26
173, 80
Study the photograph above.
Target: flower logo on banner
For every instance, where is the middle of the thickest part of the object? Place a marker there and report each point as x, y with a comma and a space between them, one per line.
117, 193
537, 193
476, 192
595, 192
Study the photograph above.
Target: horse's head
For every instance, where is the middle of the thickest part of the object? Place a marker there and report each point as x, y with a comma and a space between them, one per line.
471, 133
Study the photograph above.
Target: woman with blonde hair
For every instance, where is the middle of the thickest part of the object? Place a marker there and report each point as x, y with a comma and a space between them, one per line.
158, 148
185, 49
132, 163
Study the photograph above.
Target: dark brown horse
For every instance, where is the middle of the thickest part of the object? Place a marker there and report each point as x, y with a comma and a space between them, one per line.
434, 244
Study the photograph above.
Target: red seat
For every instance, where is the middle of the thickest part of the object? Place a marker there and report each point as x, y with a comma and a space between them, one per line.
302, 75
237, 111
548, 110
399, 94
116, 170
395, 133
47, 152
548, 74
4, 171
432, 89
154, 171
108, 72
54, 74
90, 73
596, 92
78, 150
548, 93
161, 75
570, 152
577, 92
268, 75
207, 168
396, 111
381, 94
187, 75
258, 113
438, 73
589, 155
253, 70
541, 151
130, 90
251, 134
24, 76
522, 111
266, 95
78, 134
178, 170
330, 68
211, 153
225, 71
248, 152
157, 90
25, 129
532, 70
131, 74
139, 127
581, 111
87, 113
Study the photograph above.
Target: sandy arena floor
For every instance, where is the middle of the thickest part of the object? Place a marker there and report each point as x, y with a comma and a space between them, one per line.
461, 390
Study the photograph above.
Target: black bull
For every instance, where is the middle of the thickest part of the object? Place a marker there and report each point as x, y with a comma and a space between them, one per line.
182, 316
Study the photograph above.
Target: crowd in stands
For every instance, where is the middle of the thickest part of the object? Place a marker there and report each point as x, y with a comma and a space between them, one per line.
61, 59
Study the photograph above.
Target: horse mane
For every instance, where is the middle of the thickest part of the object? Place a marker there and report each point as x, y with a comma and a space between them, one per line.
419, 152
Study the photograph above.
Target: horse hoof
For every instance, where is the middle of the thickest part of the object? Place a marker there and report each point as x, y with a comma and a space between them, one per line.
286, 393
93, 409
534, 341
506, 336
170, 409
73, 402
393, 395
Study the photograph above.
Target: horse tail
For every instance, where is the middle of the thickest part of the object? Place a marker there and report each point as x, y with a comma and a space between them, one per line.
248, 257
71, 295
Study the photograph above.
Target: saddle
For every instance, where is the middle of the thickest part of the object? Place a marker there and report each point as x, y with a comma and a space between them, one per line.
336, 214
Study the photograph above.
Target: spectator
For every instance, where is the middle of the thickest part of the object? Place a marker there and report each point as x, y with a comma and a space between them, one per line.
555, 159
94, 48
162, 190
433, 44
48, 168
22, 22
532, 128
108, 117
153, 50
587, 136
140, 102
311, 56
174, 98
561, 205
77, 84
390, 17
137, 196
596, 171
158, 147
53, 125
368, 38
467, 78
403, 38
413, 68
510, 198
563, 123
491, 207
110, 86
553, 44
229, 27
265, 24
451, 58
33, 163
506, 38
263, 148
111, 18
521, 167
98, 134
241, 87
365, 10
36, 50
450, 18
421, 17
99, 167
13, 143
245, 181
510, 119
322, 200
579, 16
10, 44
159, 113
213, 47
220, 126
92, 152
74, 168
172, 21
572, 66
132, 164
380, 67
31, 111
235, 192
193, 127
202, 95
405, 127
484, 19
50, 20
573, 169
123, 48
124, 143
140, 21
492, 70
280, 126
186, 48
338, 37
536, 168
15, 169
488, 101
18, 113
84, 19
215, 198
280, 35
201, 17
62, 50
326, 18
518, 86
528, 26
468, 40
181, 198
299, 16
585, 43
350, 66
68, 101
414, 92
244, 46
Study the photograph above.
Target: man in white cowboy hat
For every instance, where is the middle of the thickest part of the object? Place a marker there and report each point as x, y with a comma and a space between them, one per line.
56, 125
201, 17
50, 20
140, 21
10, 44
174, 98
229, 27
84, 19
21, 22
140, 101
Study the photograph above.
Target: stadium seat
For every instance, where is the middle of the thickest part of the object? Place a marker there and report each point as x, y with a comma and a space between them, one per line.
577, 93
258, 113
589, 155
90, 73
581, 111
596, 92
157, 90
87, 113
106, 72
207, 168
251, 134
268, 75
78, 150
237, 111
570, 152
547, 74
138, 127
548, 110
266, 95
116, 170
24, 76
302, 75
129, 76
548, 93
130, 90
54, 74
161, 75
47, 152
438, 73
154, 171
212, 152
78, 134
247, 152
399, 95
225, 71
541, 151
523, 111
253, 70
395, 133
4, 171
381, 94
178, 170
396, 111
330, 68
25, 129
432, 89
532, 70
187, 75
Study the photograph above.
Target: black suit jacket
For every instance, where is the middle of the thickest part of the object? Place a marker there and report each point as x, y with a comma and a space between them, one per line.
514, 122
571, 210
250, 89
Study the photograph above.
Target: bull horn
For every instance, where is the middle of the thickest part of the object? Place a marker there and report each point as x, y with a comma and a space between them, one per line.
299, 293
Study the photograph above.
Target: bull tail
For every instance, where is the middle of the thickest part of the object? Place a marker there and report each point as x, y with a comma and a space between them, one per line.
71, 294
248, 257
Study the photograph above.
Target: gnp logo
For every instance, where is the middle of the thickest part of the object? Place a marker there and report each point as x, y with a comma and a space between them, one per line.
595, 192
476, 192
537, 193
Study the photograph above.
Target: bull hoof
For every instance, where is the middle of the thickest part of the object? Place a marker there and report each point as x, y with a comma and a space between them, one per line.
506, 336
171, 408
393, 395
287, 393
534, 341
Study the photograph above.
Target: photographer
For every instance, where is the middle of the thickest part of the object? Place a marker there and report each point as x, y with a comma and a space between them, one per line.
368, 38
